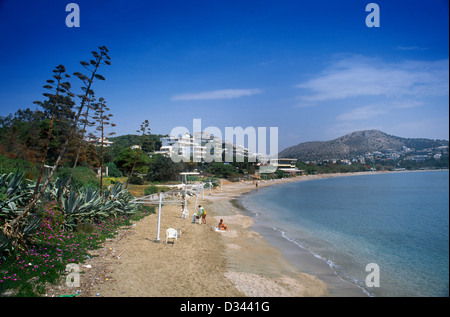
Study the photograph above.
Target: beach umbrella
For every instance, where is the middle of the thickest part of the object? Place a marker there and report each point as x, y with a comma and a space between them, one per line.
171, 197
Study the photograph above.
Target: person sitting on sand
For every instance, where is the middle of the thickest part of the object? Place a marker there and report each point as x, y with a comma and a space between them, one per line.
195, 217
222, 226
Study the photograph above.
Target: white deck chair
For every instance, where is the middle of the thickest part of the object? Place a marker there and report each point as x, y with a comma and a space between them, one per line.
185, 214
171, 233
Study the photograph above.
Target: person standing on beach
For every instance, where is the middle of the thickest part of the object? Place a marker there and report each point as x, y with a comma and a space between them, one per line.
202, 213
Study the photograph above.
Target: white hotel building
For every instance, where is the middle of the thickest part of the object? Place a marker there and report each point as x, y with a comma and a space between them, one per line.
195, 147
183, 145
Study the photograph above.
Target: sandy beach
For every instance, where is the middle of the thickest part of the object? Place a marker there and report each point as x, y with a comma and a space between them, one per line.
202, 262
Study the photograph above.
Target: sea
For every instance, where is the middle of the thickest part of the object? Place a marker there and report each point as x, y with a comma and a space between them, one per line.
385, 234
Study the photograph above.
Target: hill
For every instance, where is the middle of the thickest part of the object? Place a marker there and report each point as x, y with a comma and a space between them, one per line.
356, 143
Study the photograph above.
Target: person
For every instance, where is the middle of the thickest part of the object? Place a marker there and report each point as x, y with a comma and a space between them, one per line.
202, 213
199, 214
222, 226
195, 217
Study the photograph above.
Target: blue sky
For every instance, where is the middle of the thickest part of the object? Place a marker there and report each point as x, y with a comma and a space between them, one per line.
311, 68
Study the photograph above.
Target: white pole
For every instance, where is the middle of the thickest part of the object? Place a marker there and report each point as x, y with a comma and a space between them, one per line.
185, 196
220, 184
210, 188
159, 218
196, 198
203, 191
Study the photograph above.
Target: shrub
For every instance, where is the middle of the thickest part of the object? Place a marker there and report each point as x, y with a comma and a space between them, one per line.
136, 180
82, 177
113, 170
85, 228
8, 165
152, 189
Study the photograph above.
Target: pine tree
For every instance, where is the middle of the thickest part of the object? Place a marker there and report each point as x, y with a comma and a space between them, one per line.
53, 107
145, 132
102, 117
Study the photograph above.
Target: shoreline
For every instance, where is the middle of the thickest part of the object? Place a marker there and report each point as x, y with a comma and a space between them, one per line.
266, 261
293, 262
255, 267
307, 261
249, 260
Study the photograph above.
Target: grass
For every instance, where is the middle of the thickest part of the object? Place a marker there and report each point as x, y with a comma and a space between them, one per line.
139, 190
26, 272
136, 190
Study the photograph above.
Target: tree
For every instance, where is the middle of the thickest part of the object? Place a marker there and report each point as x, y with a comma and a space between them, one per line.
22, 135
125, 160
85, 122
52, 108
222, 170
87, 98
102, 117
162, 168
113, 170
145, 130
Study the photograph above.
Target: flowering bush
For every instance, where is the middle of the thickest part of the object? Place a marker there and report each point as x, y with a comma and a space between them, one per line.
27, 270
78, 206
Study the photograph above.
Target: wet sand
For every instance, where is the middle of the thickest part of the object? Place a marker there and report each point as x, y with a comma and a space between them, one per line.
263, 263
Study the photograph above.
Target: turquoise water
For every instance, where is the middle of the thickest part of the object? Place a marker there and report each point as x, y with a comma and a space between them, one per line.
399, 221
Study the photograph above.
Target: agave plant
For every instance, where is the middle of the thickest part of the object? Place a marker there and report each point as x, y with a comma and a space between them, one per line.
5, 244
14, 194
32, 225
120, 198
88, 205
70, 205
91, 204
57, 190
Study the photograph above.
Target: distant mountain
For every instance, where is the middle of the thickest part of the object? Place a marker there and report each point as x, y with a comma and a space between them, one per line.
356, 143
